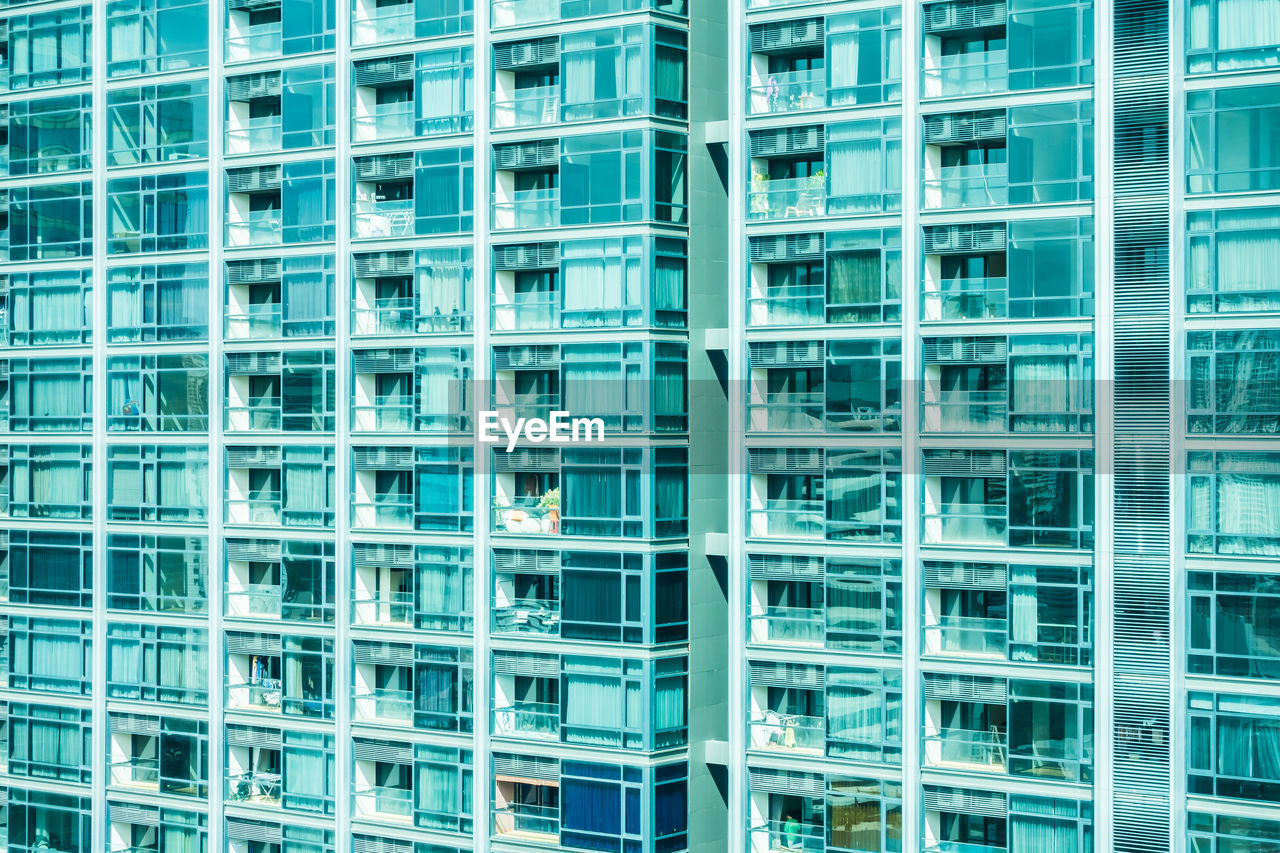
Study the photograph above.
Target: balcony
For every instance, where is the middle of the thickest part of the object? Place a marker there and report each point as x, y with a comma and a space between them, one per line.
789, 519
791, 91
968, 635
789, 198
385, 121
262, 694
966, 747
384, 802
526, 819
532, 404
967, 411
383, 511
141, 773
528, 209
390, 608
255, 136
980, 298
528, 312
255, 321
975, 185
389, 218
791, 625
527, 517
259, 228
788, 412
788, 836
388, 413
531, 107
968, 74
254, 787
789, 305
967, 524
260, 508
253, 601
527, 719
391, 316
962, 847
381, 24
385, 706
516, 13
254, 42
260, 414
779, 732
527, 616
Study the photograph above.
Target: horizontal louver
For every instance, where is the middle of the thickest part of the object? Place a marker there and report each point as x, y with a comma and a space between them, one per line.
964, 15
785, 782
526, 256
246, 87
387, 654
986, 803
962, 239
396, 458
381, 750
381, 167
781, 674
379, 555
964, 127
258, 456
787, 354
253, 550
253, 363
245, 643
528, 766
986, 350
786, 247
524, 54
134, 724
390, 69
256, 736
949, 575
537, 154
253, 178
525, 663
369, 844
784, 567
253, 830
525, 560
777, 141
790, 459
528, 459
531, 356
784, 35
965, 688
382, 360
378, 264
962, 463
252, 272
134, 814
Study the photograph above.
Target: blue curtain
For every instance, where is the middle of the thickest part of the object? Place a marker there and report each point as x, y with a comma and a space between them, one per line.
589, 805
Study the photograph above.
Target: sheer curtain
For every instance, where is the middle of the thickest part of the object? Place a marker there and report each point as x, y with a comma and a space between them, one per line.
578, 73
1027, 832
854, 280
306, 297
1024, 616
669, 704
592, 494
436, 400
182, 494
1249, 747
1247, 258
1041, 387
182, 303
1241, 24
442, 94
594, 386
55, 485
857, 169
55, 395
439, 589
439, 795
1248, 507
55, 659
842, 60
440, 285
593, 705
669, 283
306, 773
124, 666
305, 495
854, 714
595, 283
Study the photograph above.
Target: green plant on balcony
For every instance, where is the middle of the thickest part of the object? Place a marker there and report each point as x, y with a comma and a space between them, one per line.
550, 500
759, 195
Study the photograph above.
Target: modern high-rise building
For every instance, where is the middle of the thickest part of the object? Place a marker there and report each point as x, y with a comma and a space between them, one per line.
936, 347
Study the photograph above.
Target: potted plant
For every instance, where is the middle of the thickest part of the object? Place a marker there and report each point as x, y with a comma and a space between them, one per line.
550, 501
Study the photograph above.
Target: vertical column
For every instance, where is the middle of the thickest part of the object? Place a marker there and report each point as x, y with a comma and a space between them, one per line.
217, 460
912, 592
342, 673
1141, 349
482, 784
98, 490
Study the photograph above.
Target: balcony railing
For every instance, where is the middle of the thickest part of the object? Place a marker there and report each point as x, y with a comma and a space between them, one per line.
788, 412
788, 198
968, 74
791, 305
977, 185
255, 321
254, 786
254, 42
390, 608
385, 121
512, 13
528, 209
389, 218
254, 600
259, 228
789, 836
967, 411
382, 24
529, 312
258, 134
786, 732
790, 91
384, 705
524, 517
971, 635
966, 746
527, 719
967, 524
528, 107
260, 695
259, 508
798, 519
792, 625
527, 616
530, 405
136, 773
391, 316
975, 298
527, 818
962, 847
388, 413
384, 802
395, 511
260, 414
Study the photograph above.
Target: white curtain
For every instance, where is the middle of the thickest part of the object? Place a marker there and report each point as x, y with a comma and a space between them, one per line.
440, 284
436, 399
1024, 621
594, 704
1249, 507
1248, 255
1041, 387
438, 795
442, 94
843, 62
597, 282
594, 386
55, 483
1027, 832
1241, 24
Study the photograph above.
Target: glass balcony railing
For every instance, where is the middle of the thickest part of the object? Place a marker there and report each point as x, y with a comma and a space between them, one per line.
260, 695
527, 616
789, 305
384, 802
527, 818
259, 508
259, 228
388, 413
967, 524
977, 185
970, 635
254, 600
528, 209
515, 13
530, 107
389, 608
136, 773
968, 74
385, 121
254, 42
789, 198
532, 405
391, 316
524, 516
978, 298
381, 24
788, 836
788, 412
967, 411
790, 91
254, 321
966, 746
384, 705
787, 518
791, 625
774, 730
527, 719
529, 312
255, 135
390, 218
254, 786
379, 511
962, 847
260, 414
